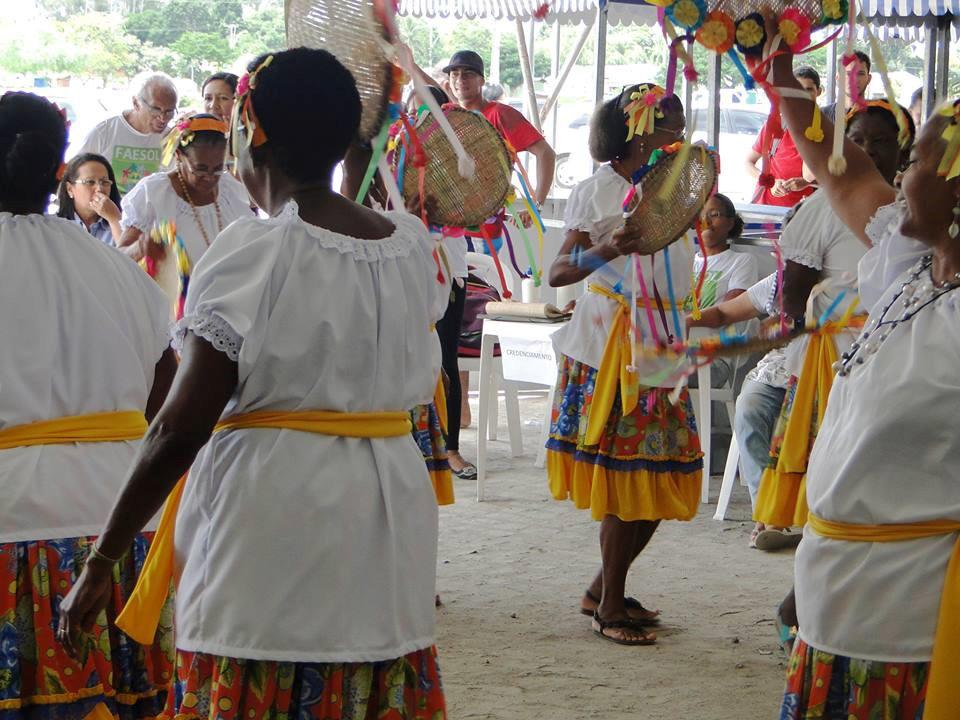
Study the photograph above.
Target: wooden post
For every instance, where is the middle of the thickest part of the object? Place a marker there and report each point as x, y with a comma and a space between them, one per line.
528, 76
929, 67
832, 71
601, 53
555, 76
943, 57
495, 55
713, 91
567, 68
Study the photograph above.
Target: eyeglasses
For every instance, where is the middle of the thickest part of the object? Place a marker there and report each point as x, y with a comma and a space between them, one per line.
203, 173
91, 182
158, 112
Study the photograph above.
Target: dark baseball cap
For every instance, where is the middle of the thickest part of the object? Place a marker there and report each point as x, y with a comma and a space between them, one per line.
465, 59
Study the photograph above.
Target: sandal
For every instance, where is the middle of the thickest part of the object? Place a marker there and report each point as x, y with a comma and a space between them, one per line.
467, 472
600, 626
636, 611
771, 539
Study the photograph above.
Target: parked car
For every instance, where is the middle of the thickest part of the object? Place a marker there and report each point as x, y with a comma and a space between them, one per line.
739, 127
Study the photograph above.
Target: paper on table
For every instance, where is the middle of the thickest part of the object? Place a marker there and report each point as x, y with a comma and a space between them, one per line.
531, 311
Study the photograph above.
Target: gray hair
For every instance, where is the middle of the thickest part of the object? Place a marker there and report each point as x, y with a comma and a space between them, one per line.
152, 79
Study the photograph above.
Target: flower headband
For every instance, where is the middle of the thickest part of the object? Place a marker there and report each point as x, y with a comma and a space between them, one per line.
185, 131
243, 112
643, 110
949, 167
904, 136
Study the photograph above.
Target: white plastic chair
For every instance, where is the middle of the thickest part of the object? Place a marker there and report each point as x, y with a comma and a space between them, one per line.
730, 472
487, 270
703, 398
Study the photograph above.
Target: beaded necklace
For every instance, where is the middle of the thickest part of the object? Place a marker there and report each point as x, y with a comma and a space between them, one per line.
196, 215
917, 294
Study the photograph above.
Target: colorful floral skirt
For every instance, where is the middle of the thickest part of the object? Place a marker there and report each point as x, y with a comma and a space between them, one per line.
114, 676
211, 687
647, 465
822, 686
430, 439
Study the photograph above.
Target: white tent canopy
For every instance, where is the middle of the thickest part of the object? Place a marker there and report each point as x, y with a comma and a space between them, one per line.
625, 12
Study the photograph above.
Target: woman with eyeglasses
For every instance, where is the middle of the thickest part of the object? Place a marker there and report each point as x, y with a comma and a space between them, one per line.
88, 196
172, 218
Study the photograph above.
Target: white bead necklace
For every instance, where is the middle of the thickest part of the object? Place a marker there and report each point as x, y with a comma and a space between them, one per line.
915, 294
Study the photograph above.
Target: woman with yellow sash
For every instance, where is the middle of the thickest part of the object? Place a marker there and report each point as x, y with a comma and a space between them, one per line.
819, 249
631, 466
878, 571
305, 534
85, 356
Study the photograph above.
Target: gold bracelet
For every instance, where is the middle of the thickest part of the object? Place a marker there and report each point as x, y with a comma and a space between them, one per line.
95, 554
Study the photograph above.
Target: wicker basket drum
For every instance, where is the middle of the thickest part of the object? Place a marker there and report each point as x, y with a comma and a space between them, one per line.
350, 30
659, 218
459, 202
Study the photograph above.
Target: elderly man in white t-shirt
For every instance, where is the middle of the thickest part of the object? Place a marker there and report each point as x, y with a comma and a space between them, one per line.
132, 140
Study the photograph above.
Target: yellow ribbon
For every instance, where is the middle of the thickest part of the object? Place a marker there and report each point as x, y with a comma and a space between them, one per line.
775, 505
943, 691
141, 614
614, 367
93, 428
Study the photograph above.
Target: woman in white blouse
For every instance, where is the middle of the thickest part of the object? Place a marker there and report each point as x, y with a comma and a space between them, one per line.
197, 197
305, 542
876, 573
85, 356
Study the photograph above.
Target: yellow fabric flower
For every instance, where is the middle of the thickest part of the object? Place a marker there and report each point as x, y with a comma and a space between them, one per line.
832, 9
686, 13
713, 34
749, 33
790, 31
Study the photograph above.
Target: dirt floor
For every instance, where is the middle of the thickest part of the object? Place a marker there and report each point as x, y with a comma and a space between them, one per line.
513, 644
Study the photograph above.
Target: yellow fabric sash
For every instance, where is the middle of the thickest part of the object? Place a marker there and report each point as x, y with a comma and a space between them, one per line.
141, 614
92, 428
782, 499
943, 690
614, 367
440, 403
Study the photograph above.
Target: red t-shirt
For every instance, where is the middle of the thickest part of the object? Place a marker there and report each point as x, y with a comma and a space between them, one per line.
512, 126
785, 163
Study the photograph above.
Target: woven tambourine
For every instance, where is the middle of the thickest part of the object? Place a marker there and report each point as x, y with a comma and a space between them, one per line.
672, 192
459, 202
356, 32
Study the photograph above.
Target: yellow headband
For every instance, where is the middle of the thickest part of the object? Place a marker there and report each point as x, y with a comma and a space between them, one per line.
949, 167
183, 133
243, 112
904, 136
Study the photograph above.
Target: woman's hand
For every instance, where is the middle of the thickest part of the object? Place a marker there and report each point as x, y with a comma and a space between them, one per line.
150, 249
85, 601
105, 207
628, 244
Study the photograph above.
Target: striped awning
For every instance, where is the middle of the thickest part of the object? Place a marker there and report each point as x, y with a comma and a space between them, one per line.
621, 12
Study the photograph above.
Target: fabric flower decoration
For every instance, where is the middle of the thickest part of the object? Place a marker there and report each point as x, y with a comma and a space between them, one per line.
766, 180
688, 14
751, 34
243, 84
795, 29
834, 11
718, 32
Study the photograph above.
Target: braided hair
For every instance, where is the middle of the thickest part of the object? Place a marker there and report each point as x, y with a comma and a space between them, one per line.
608, 127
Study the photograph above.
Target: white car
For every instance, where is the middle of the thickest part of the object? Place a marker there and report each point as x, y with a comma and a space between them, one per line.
739, 128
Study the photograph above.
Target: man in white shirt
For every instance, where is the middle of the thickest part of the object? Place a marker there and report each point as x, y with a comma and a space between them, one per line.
132, 140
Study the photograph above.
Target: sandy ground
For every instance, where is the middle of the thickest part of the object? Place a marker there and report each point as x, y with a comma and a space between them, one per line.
512, 570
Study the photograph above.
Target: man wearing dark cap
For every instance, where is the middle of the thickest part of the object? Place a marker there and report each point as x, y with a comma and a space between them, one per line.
465, 74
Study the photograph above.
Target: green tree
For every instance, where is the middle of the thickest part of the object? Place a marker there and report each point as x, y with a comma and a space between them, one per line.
200, 52
163, 24
263, 31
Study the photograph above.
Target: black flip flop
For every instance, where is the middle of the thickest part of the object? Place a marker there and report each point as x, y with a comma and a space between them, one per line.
600, 625
630, 603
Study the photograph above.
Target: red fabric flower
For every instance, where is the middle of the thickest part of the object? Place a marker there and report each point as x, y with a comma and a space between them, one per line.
766, 180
